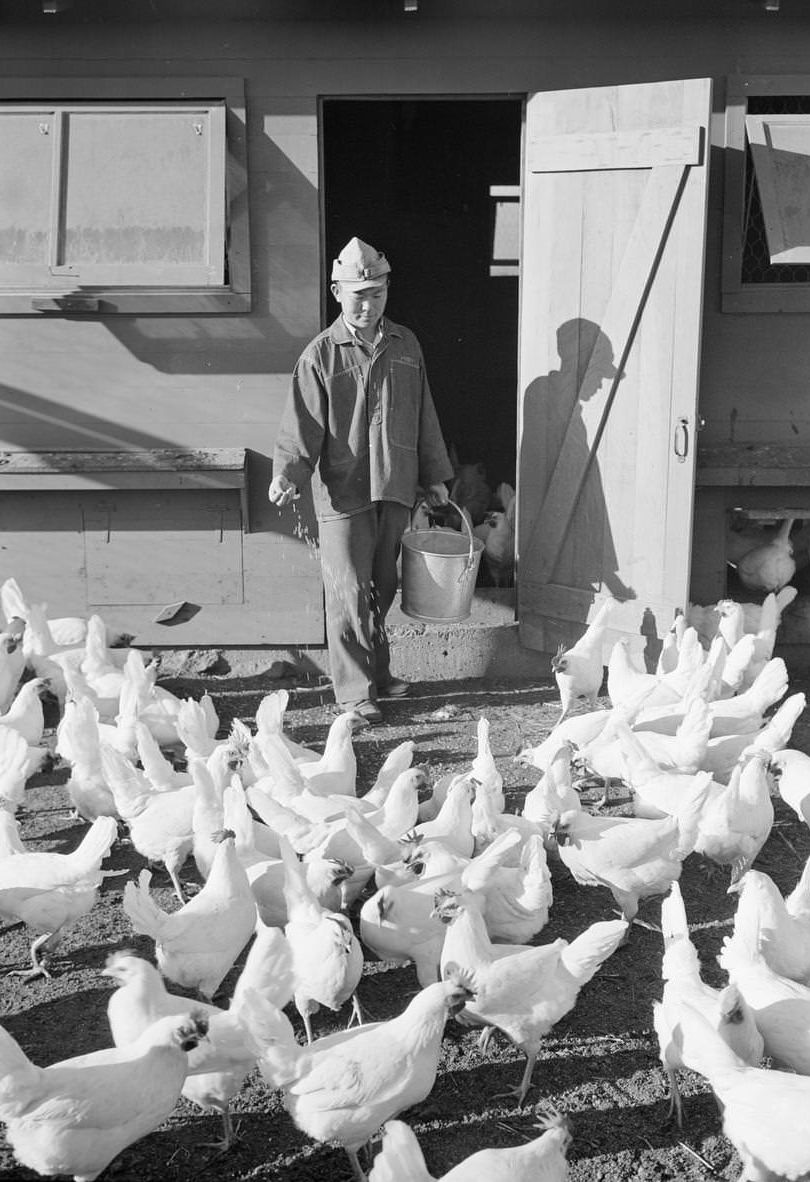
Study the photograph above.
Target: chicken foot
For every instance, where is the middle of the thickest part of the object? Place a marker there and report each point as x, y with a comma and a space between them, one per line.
356, 1014
357, 1170
229, 1134
521, 1091
39, 963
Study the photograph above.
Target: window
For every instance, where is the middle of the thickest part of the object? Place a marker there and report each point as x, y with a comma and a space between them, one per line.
123, 206
766, 265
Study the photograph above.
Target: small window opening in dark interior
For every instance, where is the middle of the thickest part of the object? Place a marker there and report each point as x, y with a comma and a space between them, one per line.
413, 178
756, 264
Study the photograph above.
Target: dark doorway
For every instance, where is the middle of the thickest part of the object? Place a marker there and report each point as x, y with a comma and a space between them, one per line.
413, 177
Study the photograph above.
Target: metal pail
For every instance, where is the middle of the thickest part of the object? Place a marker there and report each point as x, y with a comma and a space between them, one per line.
439, 569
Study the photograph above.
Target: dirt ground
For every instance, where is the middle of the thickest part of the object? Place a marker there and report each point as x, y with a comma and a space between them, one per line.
599, 1064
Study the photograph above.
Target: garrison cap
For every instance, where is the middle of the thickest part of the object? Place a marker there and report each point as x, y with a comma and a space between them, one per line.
359, 265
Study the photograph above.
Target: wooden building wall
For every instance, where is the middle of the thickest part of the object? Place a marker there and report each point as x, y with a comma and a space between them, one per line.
142, 382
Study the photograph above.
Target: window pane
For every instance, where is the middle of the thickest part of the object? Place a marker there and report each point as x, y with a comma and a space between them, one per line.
780, 150
25, 192
136, 195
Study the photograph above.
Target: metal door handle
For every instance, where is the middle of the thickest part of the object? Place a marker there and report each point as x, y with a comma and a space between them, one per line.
681, 440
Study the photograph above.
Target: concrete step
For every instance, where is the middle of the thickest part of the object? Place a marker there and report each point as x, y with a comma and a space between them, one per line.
484, 645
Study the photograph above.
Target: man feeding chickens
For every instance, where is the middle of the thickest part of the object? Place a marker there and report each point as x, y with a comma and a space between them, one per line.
360, 419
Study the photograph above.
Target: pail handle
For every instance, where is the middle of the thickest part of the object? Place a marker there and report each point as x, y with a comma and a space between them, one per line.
468, 528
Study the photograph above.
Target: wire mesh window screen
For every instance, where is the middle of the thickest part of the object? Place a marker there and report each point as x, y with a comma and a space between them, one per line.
756, 264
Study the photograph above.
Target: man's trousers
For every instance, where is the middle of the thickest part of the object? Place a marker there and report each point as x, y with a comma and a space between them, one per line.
359, 565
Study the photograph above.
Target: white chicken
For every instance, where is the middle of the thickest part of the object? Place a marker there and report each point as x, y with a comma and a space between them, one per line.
736, 823
270, 720
397, 761
12, 665
160, 823
453, 824
197, 945
542, 1159
79, 742
764, 1111
521, 991
25, 714
722, 754
13, 768
771, 566
778, 928
219, 1065
397, 922
579, 670
75, 1116
781, 1007
632, 858
791, 771
578, 730
335, 773
626, 683
554, 792
49, 892
726, 1009
497, 532
327, 960
345, 1086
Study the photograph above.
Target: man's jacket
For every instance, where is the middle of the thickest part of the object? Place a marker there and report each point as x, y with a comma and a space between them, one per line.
362, 424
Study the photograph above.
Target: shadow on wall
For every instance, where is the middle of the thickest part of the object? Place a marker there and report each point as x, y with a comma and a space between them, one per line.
26, 414
255, 343
21, 411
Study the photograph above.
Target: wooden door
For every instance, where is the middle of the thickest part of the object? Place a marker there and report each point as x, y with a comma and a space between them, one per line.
613, 232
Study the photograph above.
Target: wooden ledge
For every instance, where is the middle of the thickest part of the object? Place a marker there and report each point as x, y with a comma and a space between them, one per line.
156, 468
753, 464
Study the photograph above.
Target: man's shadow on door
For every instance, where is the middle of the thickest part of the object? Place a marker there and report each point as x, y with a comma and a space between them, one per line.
553, 415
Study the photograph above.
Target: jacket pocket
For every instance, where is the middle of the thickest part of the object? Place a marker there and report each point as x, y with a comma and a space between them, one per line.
403, 403
347, 437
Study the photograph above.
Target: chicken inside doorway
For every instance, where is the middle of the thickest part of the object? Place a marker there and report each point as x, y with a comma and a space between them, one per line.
766, 551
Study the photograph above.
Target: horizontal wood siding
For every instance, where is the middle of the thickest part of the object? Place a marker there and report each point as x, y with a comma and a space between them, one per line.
141, 382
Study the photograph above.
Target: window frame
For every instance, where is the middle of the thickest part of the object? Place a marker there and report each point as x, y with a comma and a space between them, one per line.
736, 296
103, 299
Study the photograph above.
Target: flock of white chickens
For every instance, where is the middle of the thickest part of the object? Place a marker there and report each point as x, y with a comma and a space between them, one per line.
301, 876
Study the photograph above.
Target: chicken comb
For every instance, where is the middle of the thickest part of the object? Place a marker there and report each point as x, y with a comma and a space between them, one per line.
341, 866
410, 838
547, 1116
461, 978
193, 1030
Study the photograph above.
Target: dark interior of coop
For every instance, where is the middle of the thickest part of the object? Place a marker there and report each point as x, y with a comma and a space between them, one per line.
413, 177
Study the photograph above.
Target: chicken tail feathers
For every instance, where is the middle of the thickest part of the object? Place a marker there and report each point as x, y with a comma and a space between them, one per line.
680, 955
270, 712
586, 954
689, 815
144, 914
19, 1077
297, 894
777, 733
267, 968
122, 779
192, 728
400, 1159
264, 1025
770, 685
96, 843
